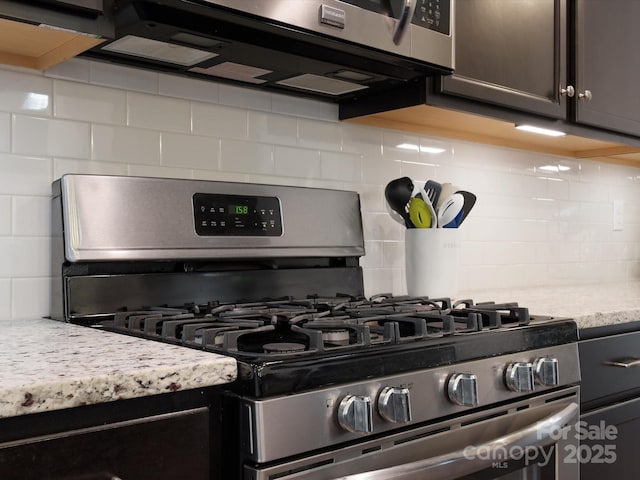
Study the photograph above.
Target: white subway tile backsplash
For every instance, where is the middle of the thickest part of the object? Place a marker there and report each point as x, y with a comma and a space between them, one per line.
5, 215
218, 121
301, 107
380, 171
163, 172
393, 254
244, 98
50, 137
189, 88
24, 93
272, 128
373, 255
5, 132
361, 140
24, 175
30, 297
31, 216
533, 224
5, 299
74, 69
89, 103
125, 145
248, 157
297, 162
65, 165
381, 227
30, 256
320, 135
6, 252
158, 113
191, 151
118, 76
345, 167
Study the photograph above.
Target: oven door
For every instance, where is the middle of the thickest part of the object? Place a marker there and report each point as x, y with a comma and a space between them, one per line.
532, 439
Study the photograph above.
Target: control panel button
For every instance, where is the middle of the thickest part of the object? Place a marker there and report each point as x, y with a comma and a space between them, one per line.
394, 405
355, 415
545, 371
519, 377
462, 389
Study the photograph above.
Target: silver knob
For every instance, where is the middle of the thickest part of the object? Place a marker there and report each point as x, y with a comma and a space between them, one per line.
354, 414
462, 389
545, 371
393, 404
519, 377
569, 91
587, 95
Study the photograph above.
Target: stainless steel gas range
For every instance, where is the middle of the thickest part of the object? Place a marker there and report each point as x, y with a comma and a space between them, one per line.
331, 384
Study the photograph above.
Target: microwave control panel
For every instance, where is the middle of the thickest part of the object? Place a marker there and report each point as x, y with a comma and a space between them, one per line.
236, 215
432, 14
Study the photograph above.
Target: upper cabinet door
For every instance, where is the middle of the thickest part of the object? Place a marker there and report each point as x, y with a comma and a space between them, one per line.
608, 64
511, 53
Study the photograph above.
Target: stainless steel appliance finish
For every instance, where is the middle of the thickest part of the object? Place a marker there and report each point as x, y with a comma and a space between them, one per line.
331, 384
426, 35
472, 443
290, 418
135, 218
337, 50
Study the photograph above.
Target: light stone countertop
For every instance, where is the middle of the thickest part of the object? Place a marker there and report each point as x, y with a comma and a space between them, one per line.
48, 365
589, 305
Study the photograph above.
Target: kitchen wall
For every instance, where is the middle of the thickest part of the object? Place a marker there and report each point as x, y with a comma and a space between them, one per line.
539, 221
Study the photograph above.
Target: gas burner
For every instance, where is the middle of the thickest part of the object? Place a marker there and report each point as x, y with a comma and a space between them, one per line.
283, 347
336, 336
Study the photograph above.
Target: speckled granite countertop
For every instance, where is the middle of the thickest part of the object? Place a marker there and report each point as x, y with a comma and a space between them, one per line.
589, 305
76, 366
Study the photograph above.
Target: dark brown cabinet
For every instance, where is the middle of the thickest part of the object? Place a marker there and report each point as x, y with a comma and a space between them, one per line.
574, 60
610, 402
162, 447
608, 64
511, 53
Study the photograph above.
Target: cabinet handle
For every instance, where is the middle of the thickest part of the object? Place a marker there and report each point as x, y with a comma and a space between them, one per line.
624, 362
587, 95
569, 91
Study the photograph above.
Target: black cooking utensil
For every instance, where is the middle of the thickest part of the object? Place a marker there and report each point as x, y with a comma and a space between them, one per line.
469, 202
398, 194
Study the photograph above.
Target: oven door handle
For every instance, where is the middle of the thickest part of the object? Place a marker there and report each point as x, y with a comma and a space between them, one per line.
476, 458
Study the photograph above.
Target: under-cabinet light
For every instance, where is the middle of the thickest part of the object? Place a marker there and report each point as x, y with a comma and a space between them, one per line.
421, 148
540, 130
554, 168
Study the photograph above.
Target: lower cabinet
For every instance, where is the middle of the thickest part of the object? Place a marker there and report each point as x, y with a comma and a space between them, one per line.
610, 401
612, 450
174, 445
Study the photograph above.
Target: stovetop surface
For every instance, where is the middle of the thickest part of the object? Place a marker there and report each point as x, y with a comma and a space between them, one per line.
288, 345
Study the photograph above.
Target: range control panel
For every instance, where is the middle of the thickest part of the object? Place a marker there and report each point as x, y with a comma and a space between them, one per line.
236, 215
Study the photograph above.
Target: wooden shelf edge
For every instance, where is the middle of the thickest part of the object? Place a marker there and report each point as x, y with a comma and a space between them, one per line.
460, 135
40, 47
493, 132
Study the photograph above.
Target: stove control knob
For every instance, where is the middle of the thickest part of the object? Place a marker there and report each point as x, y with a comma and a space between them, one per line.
519, 377
354, 414
545, 371
462, 389
393, 404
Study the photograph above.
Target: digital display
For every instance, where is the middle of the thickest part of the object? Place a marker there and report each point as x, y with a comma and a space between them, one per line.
236, 215
238, 209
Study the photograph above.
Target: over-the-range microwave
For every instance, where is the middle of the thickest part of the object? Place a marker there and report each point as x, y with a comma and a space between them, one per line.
335, 49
